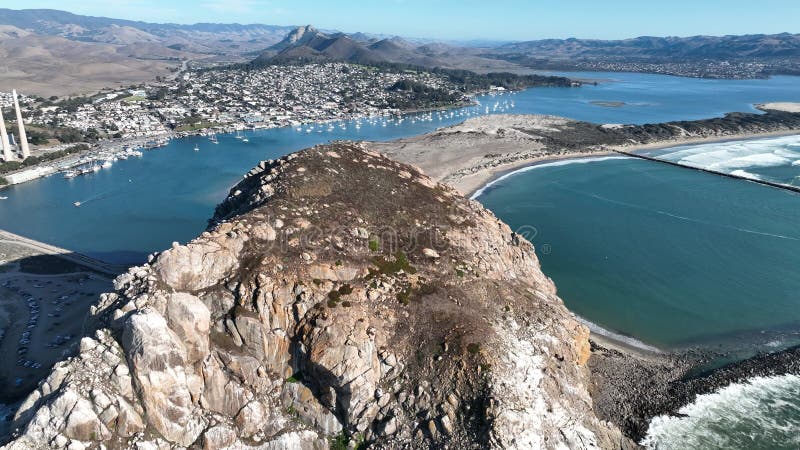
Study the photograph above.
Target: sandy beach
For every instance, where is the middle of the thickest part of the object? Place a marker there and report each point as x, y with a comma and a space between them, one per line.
470, 155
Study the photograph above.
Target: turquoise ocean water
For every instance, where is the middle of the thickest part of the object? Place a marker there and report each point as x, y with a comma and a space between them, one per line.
663, 256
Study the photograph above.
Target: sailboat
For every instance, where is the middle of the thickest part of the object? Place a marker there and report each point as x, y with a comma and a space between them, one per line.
196, 148
213, 138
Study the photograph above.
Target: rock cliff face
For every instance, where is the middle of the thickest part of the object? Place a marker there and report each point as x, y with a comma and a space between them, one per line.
336, 293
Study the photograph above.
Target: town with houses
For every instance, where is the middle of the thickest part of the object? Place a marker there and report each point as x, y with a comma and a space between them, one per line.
209, 101
275, 96
711, 69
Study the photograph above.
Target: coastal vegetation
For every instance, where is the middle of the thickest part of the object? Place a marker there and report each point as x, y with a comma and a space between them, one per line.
193, 123
467, 81
42, 134
419, 95
10, 166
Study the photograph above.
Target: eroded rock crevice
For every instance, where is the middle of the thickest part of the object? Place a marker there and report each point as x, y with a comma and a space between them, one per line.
335, 293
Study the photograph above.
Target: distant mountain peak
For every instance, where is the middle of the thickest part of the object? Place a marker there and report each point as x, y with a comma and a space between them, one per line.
298, 37
298, 32
309, 44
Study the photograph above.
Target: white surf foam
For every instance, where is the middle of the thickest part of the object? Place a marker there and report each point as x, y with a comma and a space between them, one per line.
744, 174
562, 162
738, 155
763, 412
626, 340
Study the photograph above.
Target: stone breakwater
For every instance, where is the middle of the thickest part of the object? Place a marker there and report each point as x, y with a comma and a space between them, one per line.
630, 390
335, 293
468, 155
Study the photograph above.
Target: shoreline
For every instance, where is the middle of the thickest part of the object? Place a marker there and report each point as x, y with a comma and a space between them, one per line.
665, 383
493, 176
709, 140
115, 146
489, 176
112, 147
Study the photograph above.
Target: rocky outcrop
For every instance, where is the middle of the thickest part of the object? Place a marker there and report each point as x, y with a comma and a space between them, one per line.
335, 294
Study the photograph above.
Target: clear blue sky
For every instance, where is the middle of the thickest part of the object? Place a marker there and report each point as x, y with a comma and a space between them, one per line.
465, 19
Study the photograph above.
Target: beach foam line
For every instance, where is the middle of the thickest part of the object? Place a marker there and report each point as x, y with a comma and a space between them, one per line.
616, 337
731, 155
761, 412
745, 174
555, 163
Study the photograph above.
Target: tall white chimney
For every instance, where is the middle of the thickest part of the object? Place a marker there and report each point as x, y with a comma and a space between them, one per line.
7, 155
23, 138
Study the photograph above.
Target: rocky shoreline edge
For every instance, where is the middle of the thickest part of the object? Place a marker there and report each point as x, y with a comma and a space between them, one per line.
630, 387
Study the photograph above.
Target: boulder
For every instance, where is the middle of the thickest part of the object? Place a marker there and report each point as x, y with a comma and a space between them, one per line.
158, 360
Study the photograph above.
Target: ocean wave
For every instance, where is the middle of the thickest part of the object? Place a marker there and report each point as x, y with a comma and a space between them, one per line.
762, 412
561, 162
743, 174
626, 340
750, 162
734, 155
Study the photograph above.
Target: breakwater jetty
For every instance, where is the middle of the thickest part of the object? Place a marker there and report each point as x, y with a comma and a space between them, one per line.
786, 187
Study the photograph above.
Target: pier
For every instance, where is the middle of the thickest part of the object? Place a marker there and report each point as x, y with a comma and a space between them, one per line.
773, 184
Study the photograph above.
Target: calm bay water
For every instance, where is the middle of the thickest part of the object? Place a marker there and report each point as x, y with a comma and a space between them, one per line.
678, 258
669, 256
143, 205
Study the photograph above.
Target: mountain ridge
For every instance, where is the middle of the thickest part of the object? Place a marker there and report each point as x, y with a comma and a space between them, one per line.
308, 43
669, 47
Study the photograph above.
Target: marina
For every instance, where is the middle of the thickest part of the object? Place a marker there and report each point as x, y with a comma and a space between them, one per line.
422, 225
117, 217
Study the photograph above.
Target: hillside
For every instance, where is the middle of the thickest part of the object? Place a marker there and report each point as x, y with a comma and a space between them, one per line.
50, 52
399, 314
308, 43
747, 56
199, 38
664, 48
51, 65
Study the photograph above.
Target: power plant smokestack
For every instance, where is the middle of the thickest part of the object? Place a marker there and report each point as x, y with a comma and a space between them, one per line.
7, 155
23, 139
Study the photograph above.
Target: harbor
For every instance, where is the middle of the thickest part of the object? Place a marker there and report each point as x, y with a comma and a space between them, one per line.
105, 153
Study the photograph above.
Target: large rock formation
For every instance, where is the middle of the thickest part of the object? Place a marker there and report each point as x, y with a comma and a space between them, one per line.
336, 293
